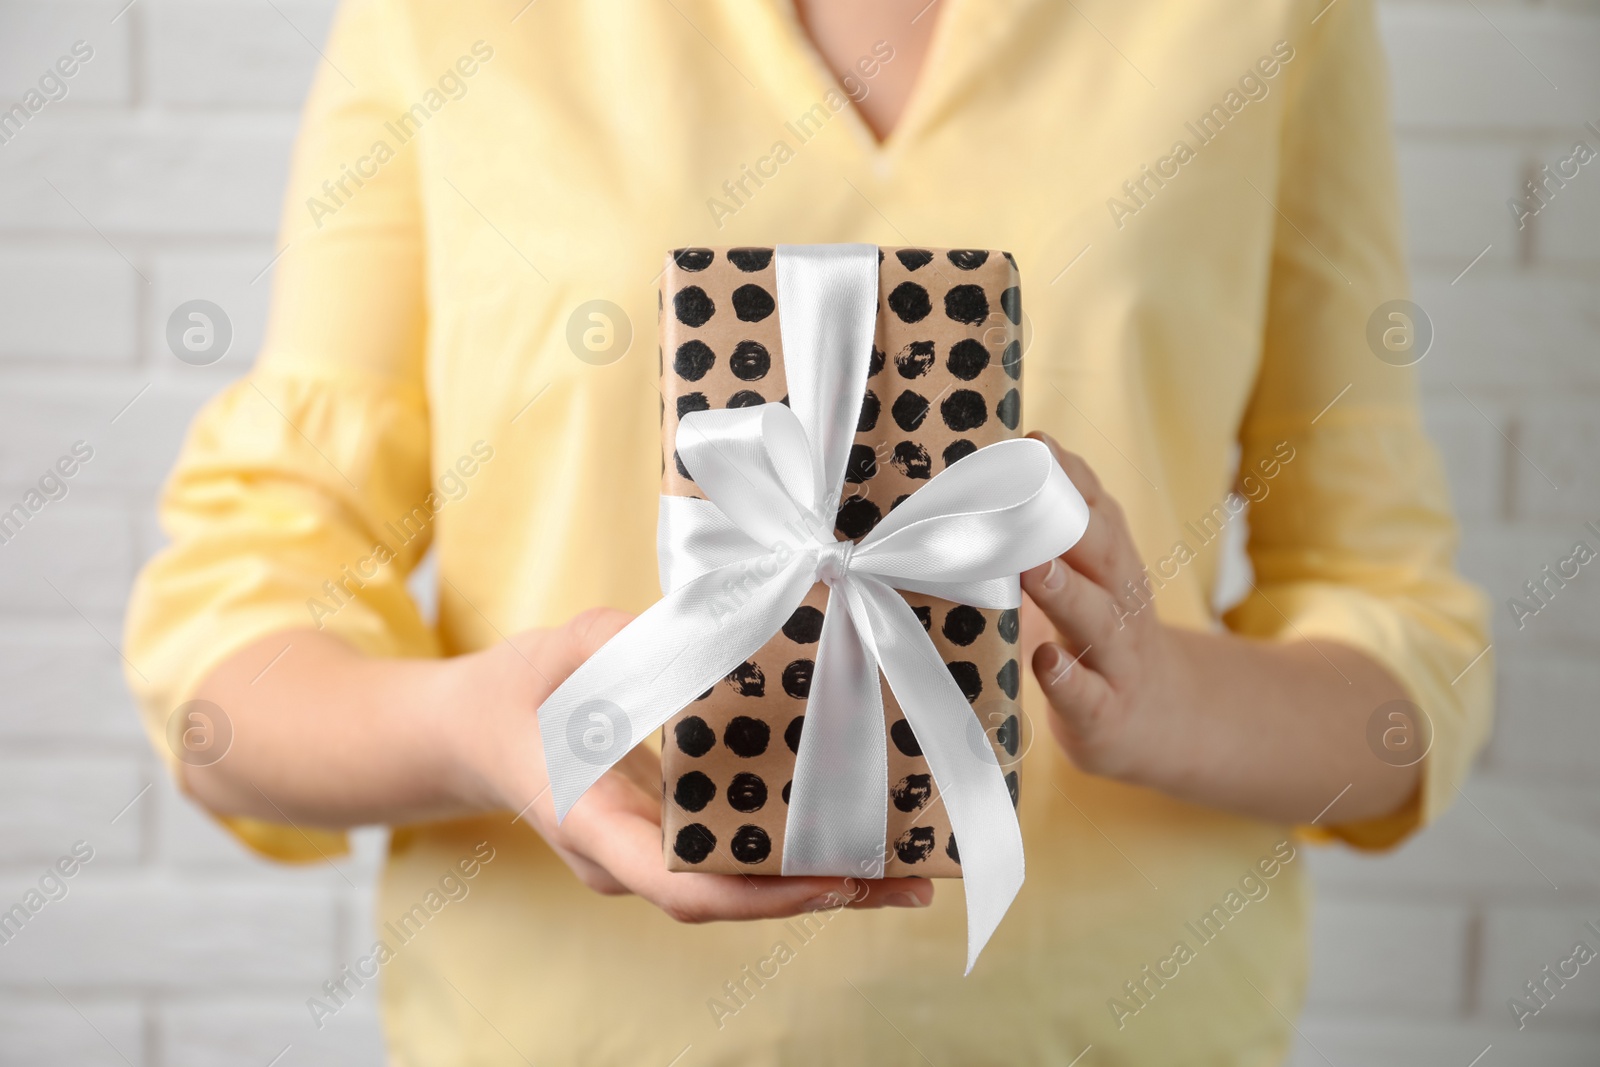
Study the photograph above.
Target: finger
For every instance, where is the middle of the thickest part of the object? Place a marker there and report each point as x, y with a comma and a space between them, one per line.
634, 857
1084, 711
1106, 551
1077, 469
631, 850
619, 794
888, 892
642, 768
1082, 612
589, 872
566, 647
593, 628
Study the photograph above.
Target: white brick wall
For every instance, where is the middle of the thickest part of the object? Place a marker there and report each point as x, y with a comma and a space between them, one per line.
175, 949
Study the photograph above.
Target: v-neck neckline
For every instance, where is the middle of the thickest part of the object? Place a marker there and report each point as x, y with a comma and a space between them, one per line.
930, 81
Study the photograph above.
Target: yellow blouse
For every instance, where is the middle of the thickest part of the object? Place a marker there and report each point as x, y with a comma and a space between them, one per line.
1202, 203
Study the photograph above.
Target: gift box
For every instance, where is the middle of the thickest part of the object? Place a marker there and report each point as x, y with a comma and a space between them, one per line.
943, 381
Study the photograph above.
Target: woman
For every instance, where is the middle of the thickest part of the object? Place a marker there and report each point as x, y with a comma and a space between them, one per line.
1201, 200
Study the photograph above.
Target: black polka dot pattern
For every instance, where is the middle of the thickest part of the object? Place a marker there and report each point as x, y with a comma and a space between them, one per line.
694, 843
914, 259
694, 737
857, 516
688, 402
915, 845
751, 303
1013, 786
968, 359
692, 360
870, 407
791, 735
909, 301
750, 845
804, 626
747, 793
797, 678
1011, 304
746, 737
875, 361
912, 460
964, 410
963, 624
1010, 625
957, 450
967, 258
967, 678
909, 409
924, 615
750, 361
1009, 679
746, 398
911, 793
748, 680
750, 260
967, 304
862, 464
915, 359
1011, 360
694, 791
1009, 410
904, 739
693, 259
1009, 733
692, 306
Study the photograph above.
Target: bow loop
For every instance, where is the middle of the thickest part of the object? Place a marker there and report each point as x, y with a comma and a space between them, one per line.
757, 466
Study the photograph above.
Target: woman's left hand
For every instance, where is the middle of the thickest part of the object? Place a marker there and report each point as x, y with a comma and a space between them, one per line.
1113, 671
1269, 729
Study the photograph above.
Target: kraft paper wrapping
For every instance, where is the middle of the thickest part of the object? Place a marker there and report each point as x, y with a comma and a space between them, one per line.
944, 381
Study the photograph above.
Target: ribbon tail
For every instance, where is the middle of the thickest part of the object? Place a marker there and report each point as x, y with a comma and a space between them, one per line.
971, 784
676, 650
839, 802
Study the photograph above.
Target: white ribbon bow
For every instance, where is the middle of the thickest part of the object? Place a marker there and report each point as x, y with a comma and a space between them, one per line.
736, 565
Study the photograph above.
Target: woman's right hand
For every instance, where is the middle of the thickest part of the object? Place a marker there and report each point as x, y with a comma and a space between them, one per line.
612, 837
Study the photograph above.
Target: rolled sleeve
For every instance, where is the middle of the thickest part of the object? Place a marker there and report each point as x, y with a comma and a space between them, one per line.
300, 499
1355, 543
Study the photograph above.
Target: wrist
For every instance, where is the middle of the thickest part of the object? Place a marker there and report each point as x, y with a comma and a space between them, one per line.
1167, 746
441, 694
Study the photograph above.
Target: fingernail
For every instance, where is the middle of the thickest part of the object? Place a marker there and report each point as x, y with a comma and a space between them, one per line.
826, 902
903, 900
1053, 663
1055, 577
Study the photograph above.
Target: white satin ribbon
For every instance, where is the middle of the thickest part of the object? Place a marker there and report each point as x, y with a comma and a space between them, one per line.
735, 566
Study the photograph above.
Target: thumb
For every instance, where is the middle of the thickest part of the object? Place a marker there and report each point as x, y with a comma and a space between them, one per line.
591, 629
556, 653
582, 636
